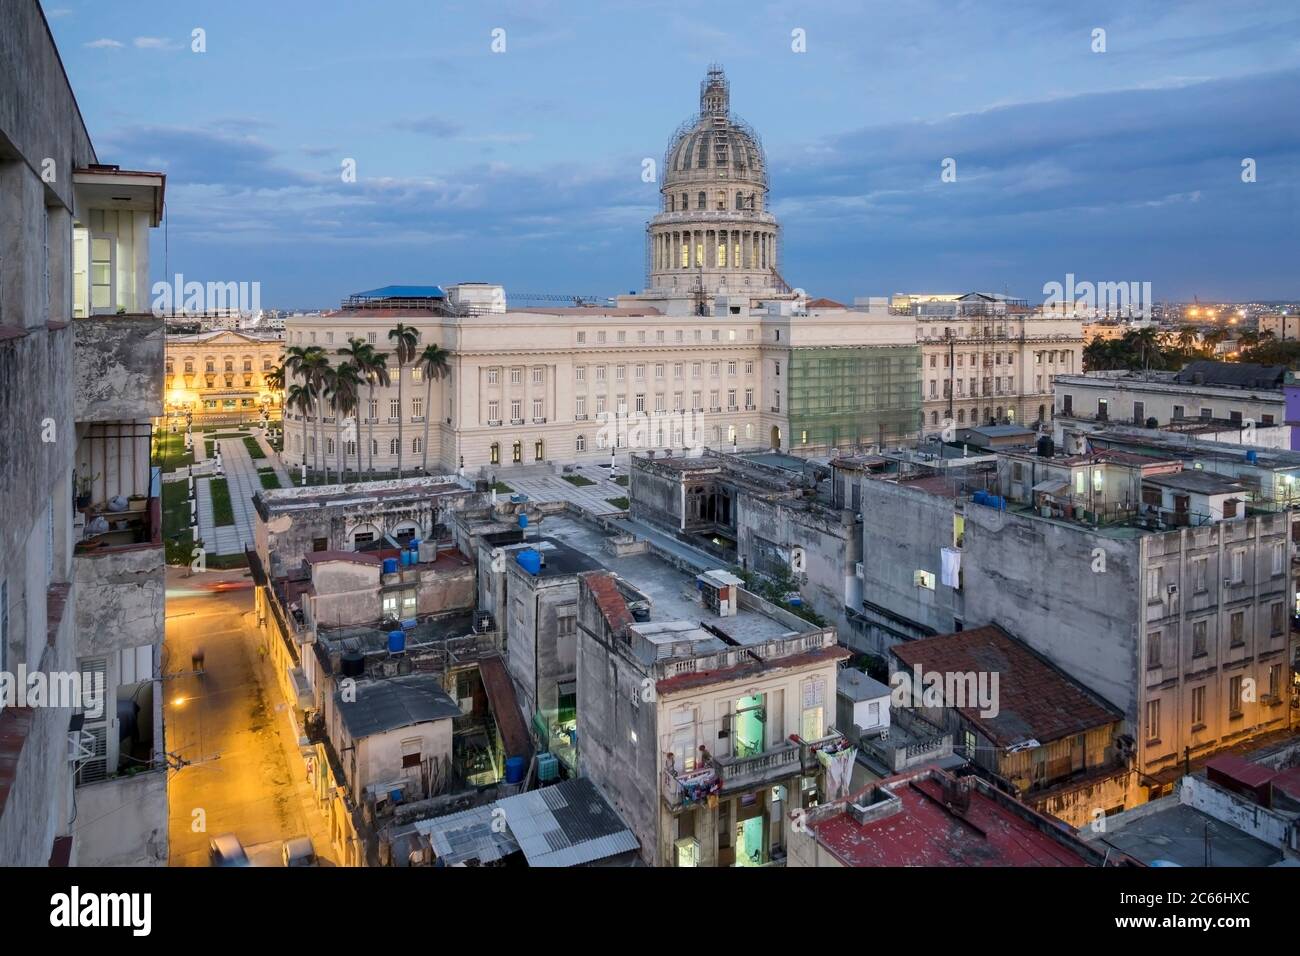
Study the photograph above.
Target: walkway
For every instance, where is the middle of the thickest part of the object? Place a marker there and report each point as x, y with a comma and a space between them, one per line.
547, 486
243, 482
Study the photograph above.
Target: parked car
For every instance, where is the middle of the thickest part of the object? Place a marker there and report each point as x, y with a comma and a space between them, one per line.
299, 852
226, 850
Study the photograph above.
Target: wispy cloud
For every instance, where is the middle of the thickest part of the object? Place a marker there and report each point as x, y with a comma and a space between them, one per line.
105, 44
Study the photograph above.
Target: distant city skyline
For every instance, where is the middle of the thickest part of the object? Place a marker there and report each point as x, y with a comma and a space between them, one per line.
524, 167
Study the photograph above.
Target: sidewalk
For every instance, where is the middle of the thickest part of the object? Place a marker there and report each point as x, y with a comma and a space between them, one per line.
243, 482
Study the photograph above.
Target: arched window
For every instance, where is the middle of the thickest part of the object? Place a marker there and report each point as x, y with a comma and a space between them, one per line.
580, 443
417, 445
494, 453
934, 418
393, 446
961, 416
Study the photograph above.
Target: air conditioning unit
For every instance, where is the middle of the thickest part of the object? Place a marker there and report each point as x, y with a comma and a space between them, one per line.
857, 569
1172, 589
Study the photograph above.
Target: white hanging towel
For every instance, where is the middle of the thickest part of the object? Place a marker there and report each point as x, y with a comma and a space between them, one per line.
951, 564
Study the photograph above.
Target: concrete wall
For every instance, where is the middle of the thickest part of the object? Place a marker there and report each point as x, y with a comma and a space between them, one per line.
903, 531
347, 592
119, 367
616, 729
123, 821
119, 600
537, 657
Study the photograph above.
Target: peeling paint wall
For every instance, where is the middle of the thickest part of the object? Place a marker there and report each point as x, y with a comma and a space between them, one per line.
119, 600
119, 367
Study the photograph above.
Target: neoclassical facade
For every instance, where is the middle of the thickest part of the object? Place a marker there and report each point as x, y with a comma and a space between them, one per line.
717, 351
221, 376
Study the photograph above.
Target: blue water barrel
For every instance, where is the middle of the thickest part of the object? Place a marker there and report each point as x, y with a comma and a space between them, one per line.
414, 545
523, 520
390, 565
396, 642
405, 558
530, 561
515, 769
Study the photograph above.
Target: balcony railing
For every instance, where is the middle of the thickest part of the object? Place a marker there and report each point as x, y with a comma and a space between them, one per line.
690, 787
740, 772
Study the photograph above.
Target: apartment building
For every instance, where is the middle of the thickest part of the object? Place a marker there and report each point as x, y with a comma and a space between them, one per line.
1227, 394
1162, 587
223, 377
83, 768
706, 728
990, 359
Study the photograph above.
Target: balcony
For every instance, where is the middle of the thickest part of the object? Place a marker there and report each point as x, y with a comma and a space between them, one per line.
580, 417
690, 788
119, 367
119, 577
539, 421
417, 419
741, 773
516, 421
751, 408
394, 419
494, 421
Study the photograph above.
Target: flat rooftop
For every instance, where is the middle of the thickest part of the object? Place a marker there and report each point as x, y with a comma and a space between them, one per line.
1176, 833
316, 496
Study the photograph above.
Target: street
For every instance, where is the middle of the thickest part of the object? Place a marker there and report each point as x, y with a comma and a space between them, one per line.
242, 774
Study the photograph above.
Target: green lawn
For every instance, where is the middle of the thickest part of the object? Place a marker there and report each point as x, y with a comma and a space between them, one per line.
502, 488
620, 480
269, 479
254, 447
176, 522
621, 503
208, 450
578, 480
170, 452
222, 512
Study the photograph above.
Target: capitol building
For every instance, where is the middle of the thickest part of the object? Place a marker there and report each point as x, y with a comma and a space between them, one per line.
718, 350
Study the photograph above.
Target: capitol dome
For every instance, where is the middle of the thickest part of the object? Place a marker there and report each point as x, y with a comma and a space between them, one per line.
713, 232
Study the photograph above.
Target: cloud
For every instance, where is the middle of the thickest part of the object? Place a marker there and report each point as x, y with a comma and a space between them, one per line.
428, 126
105, 44
155, 43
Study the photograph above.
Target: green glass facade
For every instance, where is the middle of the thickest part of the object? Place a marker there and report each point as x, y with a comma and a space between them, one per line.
840, 397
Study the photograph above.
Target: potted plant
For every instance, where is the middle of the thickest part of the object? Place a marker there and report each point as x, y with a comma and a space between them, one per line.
84, 485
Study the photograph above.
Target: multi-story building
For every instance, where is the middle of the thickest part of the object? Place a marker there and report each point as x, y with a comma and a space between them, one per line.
221, 377
1161, 584
717, 351
989, 359
705, 731
82, 767
1232, 394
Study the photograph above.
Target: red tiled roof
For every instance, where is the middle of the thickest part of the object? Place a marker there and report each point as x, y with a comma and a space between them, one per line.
926, 831
1035, 699
606, 594
505, 708
826, 304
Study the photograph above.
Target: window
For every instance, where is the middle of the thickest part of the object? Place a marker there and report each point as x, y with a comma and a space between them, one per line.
417, 406
494, 411
812, 720
640, 373
516, 376
494, 453
393, 446
622, 338
580, 443
582, 338
1153, 649
749, 368
600, 338
659, 372
538, 375
1237, 629
581, 408
1234, 697
537, 409
1198, 706
539, 450
1199, 574
417, 374
620, 373
697, 369
1279, 558
494, 376
1238, 566
1199, 643
516, 409
517, 452
600, 373
1153, 721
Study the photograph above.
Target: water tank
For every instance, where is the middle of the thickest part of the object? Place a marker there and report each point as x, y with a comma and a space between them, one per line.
390, 565
548, 768
523, 521
404, 557
396, 642
1252, 456
1046, 447
529, 560
414, 546
515, 769
352, 664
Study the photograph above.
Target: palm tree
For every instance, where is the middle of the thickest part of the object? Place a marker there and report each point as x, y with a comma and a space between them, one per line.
433, 364
345, 387
294, 357
405, 338
314, 368
300, 399
274, 380
373, 367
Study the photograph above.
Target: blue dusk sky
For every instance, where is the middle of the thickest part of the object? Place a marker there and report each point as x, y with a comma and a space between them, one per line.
524, 167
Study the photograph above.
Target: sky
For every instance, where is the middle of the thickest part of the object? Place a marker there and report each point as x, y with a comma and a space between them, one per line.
505, 142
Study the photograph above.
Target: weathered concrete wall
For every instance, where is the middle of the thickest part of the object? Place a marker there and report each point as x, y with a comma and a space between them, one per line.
442, 590
903, 531
119, 367
1033, 577
537, 656
123, 821
617, 736
119, 600
346, 593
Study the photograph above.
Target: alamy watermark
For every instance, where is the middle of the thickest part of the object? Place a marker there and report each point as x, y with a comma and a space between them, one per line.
23, 688
1107, 298
957, 689
643, 431
201, 298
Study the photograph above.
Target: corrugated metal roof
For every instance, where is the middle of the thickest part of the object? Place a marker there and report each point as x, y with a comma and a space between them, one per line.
568, 824
403, 292
467, 835
394, 702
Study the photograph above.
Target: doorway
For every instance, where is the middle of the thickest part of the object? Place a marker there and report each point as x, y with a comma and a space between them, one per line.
749, 722
776, 437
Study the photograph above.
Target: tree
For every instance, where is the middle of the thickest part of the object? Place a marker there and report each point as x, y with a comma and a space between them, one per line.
300, 399
433, 364
373, 367
275, 382
314, 368
405, 339
345, 389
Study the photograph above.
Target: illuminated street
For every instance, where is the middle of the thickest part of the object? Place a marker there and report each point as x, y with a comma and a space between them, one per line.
241, 770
